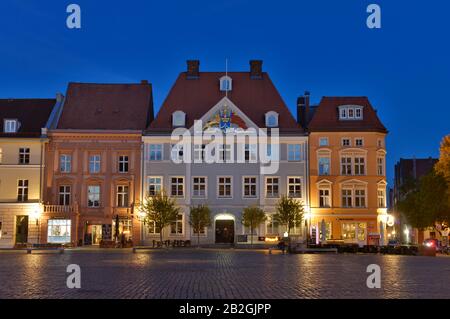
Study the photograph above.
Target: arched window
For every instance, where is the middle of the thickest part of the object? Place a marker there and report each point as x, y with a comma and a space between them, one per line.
271, 119
225, 83
178, 118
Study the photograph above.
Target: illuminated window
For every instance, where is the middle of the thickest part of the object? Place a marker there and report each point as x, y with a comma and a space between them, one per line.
65, 163
10, 126
22, 190
93, 196
59, 231
122, 196
226, 83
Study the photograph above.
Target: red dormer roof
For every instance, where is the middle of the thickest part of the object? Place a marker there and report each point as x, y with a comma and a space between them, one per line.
326, 116
196, 96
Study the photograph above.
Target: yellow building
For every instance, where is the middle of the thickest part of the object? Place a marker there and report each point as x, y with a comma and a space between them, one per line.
21, 168
347, 159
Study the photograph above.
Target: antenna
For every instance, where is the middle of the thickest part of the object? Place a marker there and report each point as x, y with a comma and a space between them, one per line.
226, 74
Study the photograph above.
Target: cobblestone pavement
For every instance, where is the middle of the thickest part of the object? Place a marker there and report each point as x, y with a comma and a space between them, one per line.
220, 274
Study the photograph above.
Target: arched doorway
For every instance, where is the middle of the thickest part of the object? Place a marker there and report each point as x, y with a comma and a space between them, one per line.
224, 226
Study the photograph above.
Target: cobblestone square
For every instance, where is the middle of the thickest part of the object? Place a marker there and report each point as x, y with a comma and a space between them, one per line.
191, 273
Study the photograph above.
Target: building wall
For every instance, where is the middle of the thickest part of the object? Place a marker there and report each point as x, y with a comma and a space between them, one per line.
10, 172
373, 147
223, 207
80, 146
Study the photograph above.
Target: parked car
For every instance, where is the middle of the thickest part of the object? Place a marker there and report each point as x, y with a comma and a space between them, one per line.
433, 242
393, 242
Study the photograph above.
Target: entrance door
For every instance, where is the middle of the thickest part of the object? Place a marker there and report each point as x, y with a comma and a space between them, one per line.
21, 229
96, 234
224, 231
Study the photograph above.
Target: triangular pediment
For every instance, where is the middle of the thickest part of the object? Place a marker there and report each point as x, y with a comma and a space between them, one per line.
225, 115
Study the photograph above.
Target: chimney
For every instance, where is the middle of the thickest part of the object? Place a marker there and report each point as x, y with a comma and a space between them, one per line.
193, 69
256, 69
303, 110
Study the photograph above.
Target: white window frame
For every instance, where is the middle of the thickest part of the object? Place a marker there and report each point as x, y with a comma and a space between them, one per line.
288, 184
177, 234
271, 115
345, 139
225, 184
65, 163
381, 165
323, 138
125, 160
155, 149
205, 184
121, 195
324, 187
266, 184
177, 186
359, 139
294, 152
346, 164
99, 194
249, 184
152, 233
383, 202
228, 80
10, 126
23, 190
225, 153
65, 193
359, 165
96, 161
320, 156
161, 184
24, 155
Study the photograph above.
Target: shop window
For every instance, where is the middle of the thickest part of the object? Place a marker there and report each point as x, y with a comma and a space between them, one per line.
59, 231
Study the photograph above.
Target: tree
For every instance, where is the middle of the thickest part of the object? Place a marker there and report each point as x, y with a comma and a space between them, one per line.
199, 218
289, 212
443, 166
253, 216
159, 209
425, 203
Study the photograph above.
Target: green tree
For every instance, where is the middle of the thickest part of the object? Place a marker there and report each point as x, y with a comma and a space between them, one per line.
159, 209
289, 212
252, 217
443, 166
199, 218
425, 201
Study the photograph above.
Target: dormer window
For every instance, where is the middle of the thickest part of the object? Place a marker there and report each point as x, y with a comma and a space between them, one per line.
178, 119
225, 83
10, 126
271, 119
350, 112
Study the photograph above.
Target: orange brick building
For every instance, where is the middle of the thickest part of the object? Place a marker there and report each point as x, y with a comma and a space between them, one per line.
347, 159
93, 163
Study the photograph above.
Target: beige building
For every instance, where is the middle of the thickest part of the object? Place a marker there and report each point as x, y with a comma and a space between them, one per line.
21, 168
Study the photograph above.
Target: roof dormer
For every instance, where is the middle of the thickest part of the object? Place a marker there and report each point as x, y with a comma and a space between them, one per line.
226, 83
271, 119
350, 112
178, 119
10, 126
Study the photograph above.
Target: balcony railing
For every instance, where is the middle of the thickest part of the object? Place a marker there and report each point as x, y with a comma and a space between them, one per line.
60, 209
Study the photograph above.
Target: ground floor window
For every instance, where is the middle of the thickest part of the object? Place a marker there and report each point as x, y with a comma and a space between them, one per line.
354, 231
151, 228
328, 230
59, 231
272, 226
176, 227
125, 228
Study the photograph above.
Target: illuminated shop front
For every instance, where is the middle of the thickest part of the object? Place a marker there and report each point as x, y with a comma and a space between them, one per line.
59, 231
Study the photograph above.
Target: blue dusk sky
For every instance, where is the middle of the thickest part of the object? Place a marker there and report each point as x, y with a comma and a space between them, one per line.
322, 46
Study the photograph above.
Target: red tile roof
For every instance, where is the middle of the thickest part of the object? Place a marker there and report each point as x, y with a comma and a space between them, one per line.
326, 116
197, 96
31, 113
90, 106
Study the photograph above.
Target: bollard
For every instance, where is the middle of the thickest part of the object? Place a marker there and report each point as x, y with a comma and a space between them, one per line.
28, 251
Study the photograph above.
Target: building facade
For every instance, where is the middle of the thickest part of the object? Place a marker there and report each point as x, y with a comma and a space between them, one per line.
93, 169
231, 104
21, 168
347, 168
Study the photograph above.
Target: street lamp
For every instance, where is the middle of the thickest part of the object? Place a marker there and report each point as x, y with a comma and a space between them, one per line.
406, 231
